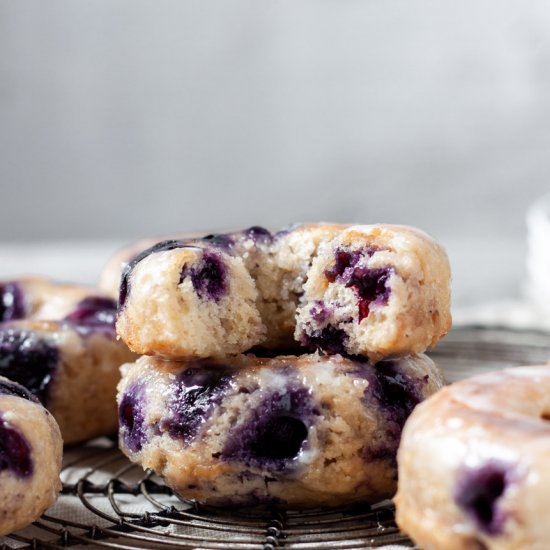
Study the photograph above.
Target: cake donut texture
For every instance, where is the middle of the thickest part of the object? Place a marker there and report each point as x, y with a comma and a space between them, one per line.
30, 457
70, 364
377, 291
288, 431
361, 290
473, 464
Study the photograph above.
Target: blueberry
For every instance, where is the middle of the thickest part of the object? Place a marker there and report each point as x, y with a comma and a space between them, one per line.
273, 434
195, 394
127, 271
478, 491
7, 387
12, 305
258, 234
330, 339
209, 277
371, 285
281, 437
94, 312
28, 360
131, 416
15, 451
395, 394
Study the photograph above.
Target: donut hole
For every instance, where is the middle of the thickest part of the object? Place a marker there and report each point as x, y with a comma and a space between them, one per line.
545, 416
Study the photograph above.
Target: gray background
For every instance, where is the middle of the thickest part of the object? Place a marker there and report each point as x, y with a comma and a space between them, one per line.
120, 119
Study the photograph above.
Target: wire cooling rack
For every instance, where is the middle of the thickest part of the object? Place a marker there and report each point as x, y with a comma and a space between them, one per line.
107, 502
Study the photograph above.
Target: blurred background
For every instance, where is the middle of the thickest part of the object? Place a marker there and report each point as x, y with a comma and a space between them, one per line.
126, 118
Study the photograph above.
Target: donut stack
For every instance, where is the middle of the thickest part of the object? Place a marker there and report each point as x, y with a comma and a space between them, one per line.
279, 369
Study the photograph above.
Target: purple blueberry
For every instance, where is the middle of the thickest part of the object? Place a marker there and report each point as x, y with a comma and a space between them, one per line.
131, 417
209, 277
395, 395
94, 312
15, 451
329, 339
273, 434
127, 271
195, 394
478, 492
12, 304
258, 234
28, 360
7, 387
371, 285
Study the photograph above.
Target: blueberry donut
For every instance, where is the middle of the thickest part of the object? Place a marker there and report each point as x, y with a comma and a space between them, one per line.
30, 457
291, 431
363, 290
71, 364
217, 295
473, 464
378, 291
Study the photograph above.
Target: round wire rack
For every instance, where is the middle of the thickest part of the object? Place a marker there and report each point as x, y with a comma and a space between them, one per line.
108, 502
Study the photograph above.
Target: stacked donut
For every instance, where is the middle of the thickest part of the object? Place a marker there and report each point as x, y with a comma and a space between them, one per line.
279, 368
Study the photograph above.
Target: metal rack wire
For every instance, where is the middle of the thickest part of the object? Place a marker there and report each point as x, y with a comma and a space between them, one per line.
117, 505
107, 502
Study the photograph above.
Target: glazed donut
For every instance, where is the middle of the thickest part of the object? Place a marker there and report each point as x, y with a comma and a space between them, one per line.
70, 363
473, 464
30, 457
371, 290
287, 431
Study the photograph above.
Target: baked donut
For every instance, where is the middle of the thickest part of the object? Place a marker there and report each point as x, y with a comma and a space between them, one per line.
291, 431
473, 464
30, 457
376, 290
71, 363
224, 294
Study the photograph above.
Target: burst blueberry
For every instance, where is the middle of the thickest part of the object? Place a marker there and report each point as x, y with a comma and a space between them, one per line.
29, 360
478, 493
330, 339
209, 277
131, 415
196, 392
275, 432
370, 284
396, 395
15, 451
94, 312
